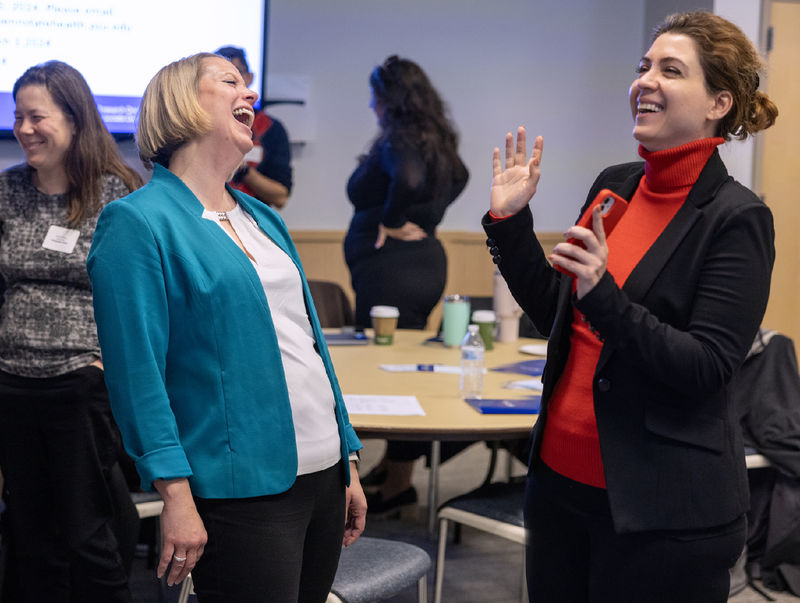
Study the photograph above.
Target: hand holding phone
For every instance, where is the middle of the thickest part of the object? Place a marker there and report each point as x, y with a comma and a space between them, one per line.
612, 207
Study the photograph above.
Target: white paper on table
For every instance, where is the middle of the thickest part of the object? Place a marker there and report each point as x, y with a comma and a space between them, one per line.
534, 384
359, 404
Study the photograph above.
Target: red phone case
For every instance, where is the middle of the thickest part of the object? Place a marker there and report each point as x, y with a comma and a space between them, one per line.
614, 207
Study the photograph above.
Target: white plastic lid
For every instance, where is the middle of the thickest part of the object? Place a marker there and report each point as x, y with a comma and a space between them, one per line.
384, 312
483, 316
472, 328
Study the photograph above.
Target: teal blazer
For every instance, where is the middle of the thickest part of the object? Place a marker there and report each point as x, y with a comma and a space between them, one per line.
191, 357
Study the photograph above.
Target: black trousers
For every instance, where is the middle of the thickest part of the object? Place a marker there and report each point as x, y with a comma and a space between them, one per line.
408, 275
575, 556
282, 548
58, 445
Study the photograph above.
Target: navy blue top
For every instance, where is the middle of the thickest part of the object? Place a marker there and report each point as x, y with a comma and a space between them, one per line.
277, 159
394, 186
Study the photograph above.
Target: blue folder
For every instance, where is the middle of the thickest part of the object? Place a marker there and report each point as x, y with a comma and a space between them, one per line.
506, 406
533, 368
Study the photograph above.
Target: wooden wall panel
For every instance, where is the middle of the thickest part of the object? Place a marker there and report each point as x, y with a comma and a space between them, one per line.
780, 176
469, 266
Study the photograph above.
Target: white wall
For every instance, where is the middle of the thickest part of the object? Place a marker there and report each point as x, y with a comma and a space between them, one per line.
656, 10
561, 69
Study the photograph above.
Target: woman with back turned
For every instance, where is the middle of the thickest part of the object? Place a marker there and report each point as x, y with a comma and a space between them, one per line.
58, 443
400, 192
637, 488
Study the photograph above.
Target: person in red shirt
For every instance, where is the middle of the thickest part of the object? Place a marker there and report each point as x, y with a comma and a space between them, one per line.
637, 489
266, 172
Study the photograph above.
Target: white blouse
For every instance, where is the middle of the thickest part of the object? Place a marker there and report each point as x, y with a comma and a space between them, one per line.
310, 394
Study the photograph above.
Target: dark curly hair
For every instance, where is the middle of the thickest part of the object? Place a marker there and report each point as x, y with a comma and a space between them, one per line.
729, 62
414, 114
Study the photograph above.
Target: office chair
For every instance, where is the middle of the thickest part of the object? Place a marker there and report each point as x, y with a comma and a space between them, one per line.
371, 569
374, 569
333, 306
496, 509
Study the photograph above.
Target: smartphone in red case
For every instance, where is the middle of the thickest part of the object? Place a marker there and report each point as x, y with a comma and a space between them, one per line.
612, 207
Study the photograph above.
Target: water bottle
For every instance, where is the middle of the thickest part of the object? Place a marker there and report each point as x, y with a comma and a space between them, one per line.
472, 363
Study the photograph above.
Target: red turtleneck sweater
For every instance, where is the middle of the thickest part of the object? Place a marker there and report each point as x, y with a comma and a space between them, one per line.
571, 445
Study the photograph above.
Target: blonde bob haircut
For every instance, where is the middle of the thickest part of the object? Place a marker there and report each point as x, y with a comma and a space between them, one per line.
170, 114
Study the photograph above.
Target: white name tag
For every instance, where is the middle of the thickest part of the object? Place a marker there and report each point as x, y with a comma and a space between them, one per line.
61, 239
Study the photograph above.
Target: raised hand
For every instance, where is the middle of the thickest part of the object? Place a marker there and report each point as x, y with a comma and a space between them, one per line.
514, 186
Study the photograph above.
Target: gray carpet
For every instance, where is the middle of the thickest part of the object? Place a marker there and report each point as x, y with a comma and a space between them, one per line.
481, 569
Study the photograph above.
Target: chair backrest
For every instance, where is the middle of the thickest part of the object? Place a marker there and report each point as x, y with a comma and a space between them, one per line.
333, 306
766, 393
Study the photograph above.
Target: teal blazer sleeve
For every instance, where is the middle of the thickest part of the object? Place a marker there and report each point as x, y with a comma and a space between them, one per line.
131, 308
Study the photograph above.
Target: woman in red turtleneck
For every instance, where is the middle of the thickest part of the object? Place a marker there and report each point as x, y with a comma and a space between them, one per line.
637, 488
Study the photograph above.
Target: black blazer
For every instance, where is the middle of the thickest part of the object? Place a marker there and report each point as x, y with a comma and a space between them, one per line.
673, 336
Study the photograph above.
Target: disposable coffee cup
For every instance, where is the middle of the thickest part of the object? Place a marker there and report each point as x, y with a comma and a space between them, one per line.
455, 320
485, 319
384, 322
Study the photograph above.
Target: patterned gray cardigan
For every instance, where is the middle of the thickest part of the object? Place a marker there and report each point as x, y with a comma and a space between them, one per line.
46, 320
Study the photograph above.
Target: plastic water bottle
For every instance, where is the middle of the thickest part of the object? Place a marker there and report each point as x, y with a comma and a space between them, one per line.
472, 363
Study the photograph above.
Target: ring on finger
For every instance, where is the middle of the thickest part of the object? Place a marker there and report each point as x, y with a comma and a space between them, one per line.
179, 559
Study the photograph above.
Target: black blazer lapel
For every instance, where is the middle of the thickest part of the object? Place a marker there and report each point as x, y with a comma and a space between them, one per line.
624, 187
647, 270
558, 347
643, 276
649, 267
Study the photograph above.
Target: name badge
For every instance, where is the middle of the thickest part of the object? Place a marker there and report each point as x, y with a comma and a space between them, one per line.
61, 239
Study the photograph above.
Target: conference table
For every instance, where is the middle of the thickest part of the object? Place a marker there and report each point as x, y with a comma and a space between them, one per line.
447, 416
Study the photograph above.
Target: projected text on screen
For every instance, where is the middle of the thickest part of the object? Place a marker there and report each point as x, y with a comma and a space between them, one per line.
118, 45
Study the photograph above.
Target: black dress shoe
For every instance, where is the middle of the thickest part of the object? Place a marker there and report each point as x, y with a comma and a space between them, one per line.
391, 507
375, 478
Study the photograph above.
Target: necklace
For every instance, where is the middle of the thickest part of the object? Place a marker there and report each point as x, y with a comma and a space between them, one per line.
222, 216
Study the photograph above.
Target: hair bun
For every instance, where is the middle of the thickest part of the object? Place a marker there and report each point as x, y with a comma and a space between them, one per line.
763, 113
